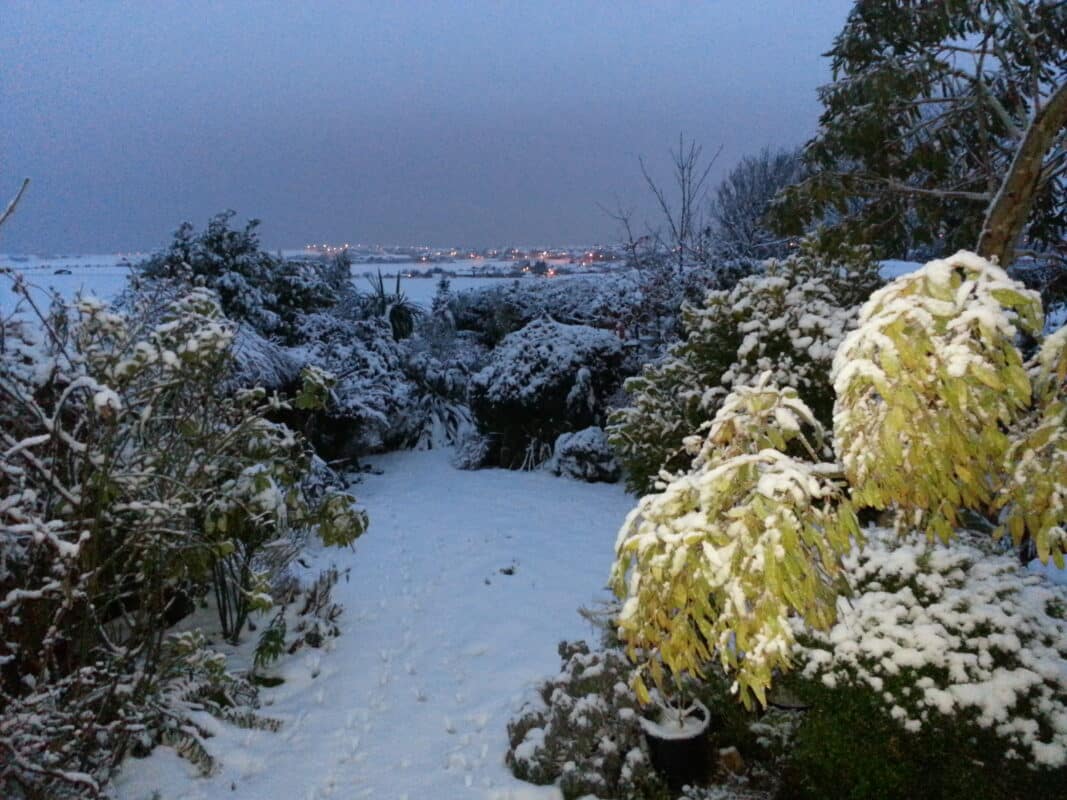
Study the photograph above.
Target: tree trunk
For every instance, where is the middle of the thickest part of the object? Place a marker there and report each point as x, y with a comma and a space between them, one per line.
1006, 216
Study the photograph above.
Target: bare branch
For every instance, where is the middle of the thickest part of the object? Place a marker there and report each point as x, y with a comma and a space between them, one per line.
11, 206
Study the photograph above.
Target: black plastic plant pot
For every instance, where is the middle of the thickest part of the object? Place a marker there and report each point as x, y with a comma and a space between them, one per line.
681, 753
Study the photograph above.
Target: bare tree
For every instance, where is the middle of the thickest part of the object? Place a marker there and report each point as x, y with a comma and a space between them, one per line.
686, 220
740, 203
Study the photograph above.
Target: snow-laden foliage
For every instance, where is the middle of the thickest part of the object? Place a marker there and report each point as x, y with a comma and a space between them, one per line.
372, 398
788, 320
600, 301
1034, 493
582, 731
585, 455
714, 566
253, 286
541, 381
258, 361
928, 389
938, 633
936, 412
387, 394
129, 484
440, 396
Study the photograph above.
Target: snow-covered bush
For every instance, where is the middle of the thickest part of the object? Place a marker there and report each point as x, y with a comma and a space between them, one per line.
788, 320
388, 394
252, 286
945, 675
582, 731
600, 301
932, 394
945, 631
439, 396
541, 381
585, 455
936, 412
372, 402
714, 567
128, 484
474, 450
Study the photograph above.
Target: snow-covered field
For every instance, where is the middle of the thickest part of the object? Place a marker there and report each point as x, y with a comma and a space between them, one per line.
457, 598
102, 275
105, 276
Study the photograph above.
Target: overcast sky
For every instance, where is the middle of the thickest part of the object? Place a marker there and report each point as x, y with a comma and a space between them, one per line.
392, 122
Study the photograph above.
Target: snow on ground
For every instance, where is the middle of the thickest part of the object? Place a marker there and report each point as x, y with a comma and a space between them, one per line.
457, 598
103, 276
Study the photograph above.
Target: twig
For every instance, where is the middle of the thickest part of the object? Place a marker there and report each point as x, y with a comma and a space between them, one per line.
11, 206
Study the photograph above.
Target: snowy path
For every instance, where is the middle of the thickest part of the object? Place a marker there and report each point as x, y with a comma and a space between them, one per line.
440, 643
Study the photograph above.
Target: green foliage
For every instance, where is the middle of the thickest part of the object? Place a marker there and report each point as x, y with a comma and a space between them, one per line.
849, 747
715, 565
669, 400
1033, 494
340, 521
936, 412
316, 384
271, 644
928, 389
944, 677
921, 121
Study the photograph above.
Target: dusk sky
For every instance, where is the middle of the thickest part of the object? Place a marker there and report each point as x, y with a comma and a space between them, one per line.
443, 123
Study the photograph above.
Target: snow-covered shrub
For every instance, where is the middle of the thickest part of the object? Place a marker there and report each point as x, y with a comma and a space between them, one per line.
585, 455
936, 412
387, 394
258, 361
600, 301
372, 399
788, 320
128, 483
474, 450
945, 675
932, 391
582, 732
439, 398
714, 567
541, 381
252, 285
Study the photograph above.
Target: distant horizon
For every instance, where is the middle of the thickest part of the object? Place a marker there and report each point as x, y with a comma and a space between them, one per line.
305, 248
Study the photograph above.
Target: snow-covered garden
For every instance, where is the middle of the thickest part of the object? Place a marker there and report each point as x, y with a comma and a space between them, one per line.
755, 514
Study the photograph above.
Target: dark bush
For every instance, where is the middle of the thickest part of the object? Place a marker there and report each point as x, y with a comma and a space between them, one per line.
543, 380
